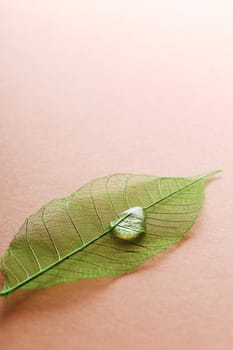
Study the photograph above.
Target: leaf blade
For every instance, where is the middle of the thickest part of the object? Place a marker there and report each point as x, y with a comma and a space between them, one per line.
87, 213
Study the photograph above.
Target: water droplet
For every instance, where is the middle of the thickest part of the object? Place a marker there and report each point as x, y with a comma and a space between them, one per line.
132, 226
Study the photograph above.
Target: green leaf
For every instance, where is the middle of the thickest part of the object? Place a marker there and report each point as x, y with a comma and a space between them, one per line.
87, 234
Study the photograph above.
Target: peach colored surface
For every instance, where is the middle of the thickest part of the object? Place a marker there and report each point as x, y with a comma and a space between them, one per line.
90, 88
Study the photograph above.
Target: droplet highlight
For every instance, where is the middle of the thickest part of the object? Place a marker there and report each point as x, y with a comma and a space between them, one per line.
132, 226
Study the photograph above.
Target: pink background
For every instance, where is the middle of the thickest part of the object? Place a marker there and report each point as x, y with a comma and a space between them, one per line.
90, 88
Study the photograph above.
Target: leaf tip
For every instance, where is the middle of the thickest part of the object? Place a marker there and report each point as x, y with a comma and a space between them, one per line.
213, 173
207, 176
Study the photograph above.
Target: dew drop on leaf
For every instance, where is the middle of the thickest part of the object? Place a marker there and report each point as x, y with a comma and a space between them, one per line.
132, 226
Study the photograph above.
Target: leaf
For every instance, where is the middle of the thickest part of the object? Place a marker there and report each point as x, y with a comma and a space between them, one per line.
78, 236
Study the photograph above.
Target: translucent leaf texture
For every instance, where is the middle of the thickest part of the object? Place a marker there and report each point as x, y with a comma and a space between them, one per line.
71, 238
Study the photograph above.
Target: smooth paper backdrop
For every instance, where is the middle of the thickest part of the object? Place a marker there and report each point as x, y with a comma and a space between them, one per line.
90, 88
